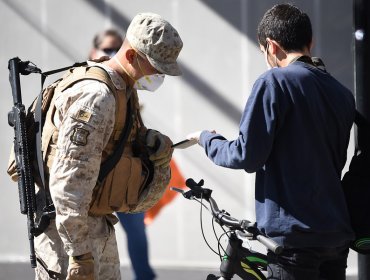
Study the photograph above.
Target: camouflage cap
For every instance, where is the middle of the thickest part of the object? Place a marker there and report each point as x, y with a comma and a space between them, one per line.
156, 38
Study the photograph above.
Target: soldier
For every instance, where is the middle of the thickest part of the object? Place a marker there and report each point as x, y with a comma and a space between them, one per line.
81, 244
107, 43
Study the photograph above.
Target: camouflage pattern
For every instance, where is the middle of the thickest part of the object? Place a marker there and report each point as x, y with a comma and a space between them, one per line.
154, 191
85, 120
156, 38
104, 249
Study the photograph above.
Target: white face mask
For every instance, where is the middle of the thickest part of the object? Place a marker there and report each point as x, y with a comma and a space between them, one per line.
267, 62
146, 82
149, 82
266, 57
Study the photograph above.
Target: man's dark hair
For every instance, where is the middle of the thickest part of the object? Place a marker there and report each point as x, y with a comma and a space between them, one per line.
287, 25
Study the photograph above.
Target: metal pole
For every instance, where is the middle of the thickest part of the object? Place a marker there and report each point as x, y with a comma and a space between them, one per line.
361, 15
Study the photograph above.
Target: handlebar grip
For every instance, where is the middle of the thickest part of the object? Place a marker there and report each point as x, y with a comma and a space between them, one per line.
270, 244
190, 183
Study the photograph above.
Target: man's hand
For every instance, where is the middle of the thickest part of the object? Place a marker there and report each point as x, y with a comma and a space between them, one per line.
195, 136
160, 145
81, 267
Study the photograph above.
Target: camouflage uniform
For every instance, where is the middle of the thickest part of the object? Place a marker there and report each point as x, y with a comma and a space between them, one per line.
85, 119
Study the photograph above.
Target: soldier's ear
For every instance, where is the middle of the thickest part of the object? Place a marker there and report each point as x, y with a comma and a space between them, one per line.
130, 55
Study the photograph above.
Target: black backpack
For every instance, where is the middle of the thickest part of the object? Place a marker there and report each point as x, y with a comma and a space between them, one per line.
356, 186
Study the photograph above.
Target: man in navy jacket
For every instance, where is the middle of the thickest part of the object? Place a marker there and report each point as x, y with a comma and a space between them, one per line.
294, 134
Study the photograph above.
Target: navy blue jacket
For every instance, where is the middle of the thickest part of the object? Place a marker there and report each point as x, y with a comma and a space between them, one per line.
294, 134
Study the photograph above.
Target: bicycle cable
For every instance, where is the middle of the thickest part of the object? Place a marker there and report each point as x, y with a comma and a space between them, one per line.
201, 225
217, 238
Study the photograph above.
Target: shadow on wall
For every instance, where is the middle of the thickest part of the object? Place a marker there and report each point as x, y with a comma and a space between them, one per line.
332, 37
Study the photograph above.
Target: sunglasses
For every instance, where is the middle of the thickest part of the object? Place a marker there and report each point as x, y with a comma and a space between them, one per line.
109, 50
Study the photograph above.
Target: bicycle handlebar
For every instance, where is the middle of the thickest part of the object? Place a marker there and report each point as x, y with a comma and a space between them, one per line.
224, 218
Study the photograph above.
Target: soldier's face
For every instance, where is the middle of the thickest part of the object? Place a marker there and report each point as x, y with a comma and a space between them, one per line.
145, 68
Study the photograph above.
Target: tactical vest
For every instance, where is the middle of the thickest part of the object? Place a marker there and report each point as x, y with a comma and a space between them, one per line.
134, 184
120, 190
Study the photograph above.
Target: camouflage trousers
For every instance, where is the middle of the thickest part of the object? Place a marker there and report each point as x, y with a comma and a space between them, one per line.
52, 260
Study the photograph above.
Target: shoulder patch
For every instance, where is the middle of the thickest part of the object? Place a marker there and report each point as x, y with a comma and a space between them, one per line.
79, 136
83, 115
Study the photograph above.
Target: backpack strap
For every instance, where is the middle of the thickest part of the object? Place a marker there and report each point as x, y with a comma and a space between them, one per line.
49, 211
97, 73
78, 74
38, 117
113, 158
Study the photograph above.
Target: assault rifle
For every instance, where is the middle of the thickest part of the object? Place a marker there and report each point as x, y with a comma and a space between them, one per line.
29, 163
17, 120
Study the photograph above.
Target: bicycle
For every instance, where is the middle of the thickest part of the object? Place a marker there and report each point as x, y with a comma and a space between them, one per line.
237, 260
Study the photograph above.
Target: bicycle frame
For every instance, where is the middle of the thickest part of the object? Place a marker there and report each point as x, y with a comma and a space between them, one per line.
245, 263
242, 261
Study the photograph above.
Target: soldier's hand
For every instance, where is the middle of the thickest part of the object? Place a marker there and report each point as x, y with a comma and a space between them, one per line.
81, 267
160, 147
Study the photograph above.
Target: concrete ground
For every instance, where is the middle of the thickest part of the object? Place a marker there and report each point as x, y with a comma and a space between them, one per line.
23, 271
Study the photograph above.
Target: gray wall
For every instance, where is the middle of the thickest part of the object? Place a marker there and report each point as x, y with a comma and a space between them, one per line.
220, 61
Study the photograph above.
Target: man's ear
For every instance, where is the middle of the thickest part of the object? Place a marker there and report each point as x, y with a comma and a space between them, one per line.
130, 55
273, 46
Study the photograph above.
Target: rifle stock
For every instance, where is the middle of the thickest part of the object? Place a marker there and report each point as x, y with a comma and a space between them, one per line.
17, 119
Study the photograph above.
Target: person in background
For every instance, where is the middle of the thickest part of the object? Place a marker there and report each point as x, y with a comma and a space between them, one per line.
294, 134
107, 43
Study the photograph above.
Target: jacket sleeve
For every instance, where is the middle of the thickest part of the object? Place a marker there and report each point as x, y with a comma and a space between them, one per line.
256, 132
86, 123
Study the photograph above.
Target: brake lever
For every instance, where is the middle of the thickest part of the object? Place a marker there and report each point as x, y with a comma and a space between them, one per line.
244, 234
177, 190
187, 194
